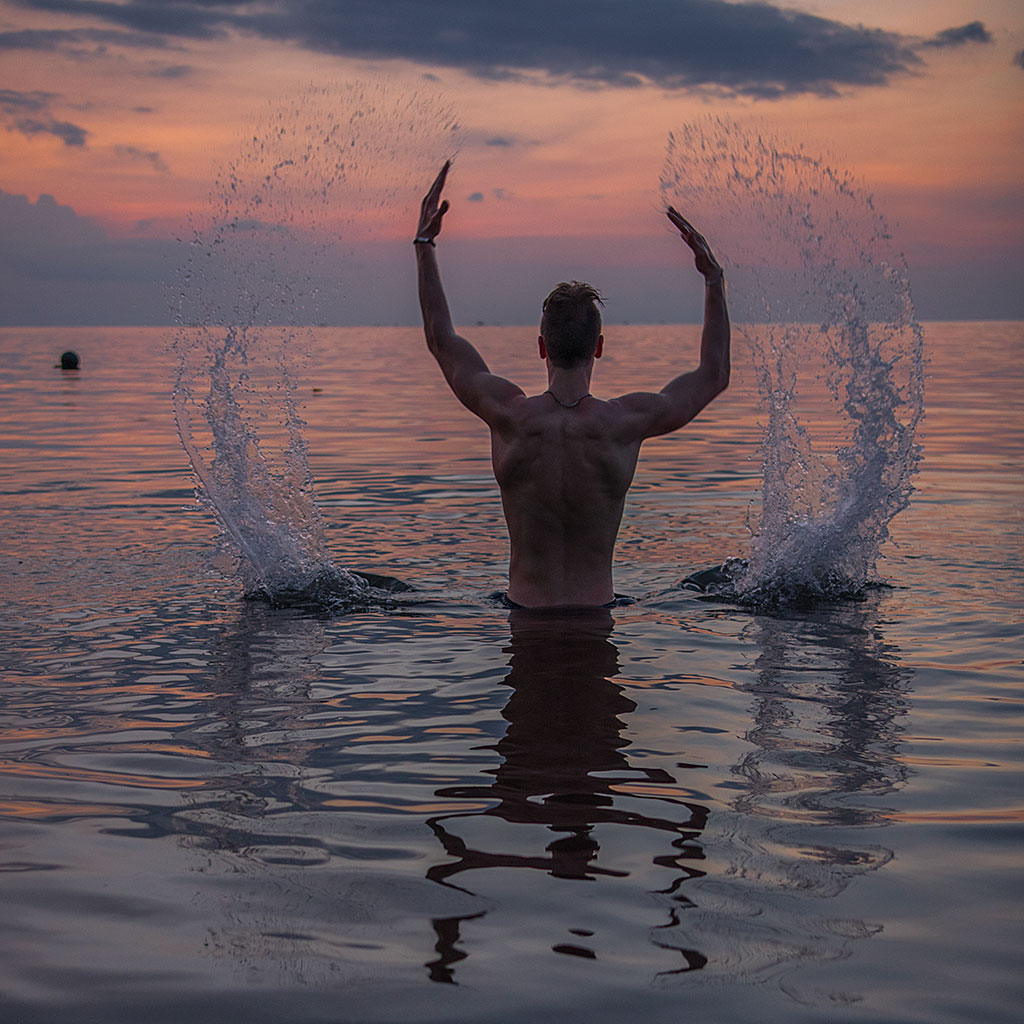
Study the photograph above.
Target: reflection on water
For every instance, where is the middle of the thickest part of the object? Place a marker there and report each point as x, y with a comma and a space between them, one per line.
356, 794
828, 696
316, 802
564, 769
827, 700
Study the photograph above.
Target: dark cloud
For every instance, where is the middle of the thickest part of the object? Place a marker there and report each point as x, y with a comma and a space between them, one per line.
29, 114
33, 231
972, 32
74, 41
475, 197
498, 140
68, 133
171, 71
190, 19
141, 155
752, 49
14, 102
1019, 59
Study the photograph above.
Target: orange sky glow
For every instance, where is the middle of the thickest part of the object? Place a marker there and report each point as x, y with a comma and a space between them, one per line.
558, 162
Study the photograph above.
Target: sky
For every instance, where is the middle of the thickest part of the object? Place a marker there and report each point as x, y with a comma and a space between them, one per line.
121, 122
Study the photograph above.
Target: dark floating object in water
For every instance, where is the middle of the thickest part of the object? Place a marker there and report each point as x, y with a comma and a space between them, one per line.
69, 360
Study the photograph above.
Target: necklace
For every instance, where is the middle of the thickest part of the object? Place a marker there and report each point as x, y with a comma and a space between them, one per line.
566, 405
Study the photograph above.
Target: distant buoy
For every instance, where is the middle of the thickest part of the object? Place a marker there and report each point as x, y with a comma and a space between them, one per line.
69, 361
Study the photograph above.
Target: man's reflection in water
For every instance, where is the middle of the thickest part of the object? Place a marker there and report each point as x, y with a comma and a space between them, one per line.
563, 768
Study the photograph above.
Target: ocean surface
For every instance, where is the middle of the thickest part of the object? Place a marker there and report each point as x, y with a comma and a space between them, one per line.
436, 810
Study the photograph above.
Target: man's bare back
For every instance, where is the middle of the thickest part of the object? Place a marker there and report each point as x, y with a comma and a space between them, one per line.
564, 460
563, 474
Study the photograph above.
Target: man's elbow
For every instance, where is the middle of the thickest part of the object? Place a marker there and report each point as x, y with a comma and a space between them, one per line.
719, 379
434, 338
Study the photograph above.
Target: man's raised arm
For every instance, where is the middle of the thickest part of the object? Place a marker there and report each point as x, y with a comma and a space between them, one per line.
683, 397
463, 367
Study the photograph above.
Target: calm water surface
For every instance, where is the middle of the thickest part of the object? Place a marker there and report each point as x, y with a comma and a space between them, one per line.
213, 809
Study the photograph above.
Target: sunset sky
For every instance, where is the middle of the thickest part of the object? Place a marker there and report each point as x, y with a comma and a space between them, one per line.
120, 115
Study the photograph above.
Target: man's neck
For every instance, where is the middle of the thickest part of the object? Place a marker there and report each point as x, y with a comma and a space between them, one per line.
569, 384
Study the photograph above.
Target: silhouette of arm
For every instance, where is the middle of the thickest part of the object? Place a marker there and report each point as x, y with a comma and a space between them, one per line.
684, 396
479, 390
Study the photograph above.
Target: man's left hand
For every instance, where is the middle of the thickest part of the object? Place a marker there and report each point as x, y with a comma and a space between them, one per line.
430, 213
702, 254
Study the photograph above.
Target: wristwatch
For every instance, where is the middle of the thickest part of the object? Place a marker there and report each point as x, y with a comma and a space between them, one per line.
423, 240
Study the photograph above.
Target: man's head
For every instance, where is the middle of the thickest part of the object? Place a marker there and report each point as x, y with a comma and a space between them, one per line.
570, 325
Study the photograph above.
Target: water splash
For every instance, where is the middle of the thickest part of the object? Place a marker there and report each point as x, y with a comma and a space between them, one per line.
824, 297
330, 167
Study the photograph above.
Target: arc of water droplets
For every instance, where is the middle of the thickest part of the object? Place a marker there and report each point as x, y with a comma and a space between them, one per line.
824, 297
278, 215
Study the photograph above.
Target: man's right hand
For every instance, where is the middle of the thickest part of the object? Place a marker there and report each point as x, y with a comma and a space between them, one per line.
430, 213
703, 256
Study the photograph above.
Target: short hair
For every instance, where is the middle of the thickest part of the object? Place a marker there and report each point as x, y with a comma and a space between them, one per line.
571, 323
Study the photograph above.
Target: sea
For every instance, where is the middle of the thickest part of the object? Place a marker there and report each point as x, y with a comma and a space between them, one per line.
374, 803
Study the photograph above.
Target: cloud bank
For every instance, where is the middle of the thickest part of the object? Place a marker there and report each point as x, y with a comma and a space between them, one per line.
57, 267
744, 49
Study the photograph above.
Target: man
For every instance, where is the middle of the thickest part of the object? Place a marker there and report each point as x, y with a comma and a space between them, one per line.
565, 459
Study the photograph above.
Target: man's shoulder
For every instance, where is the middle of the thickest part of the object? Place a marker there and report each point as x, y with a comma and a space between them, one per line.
617, 419
635, 404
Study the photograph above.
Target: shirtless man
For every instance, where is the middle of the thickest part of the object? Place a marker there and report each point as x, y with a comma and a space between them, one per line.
565, 459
